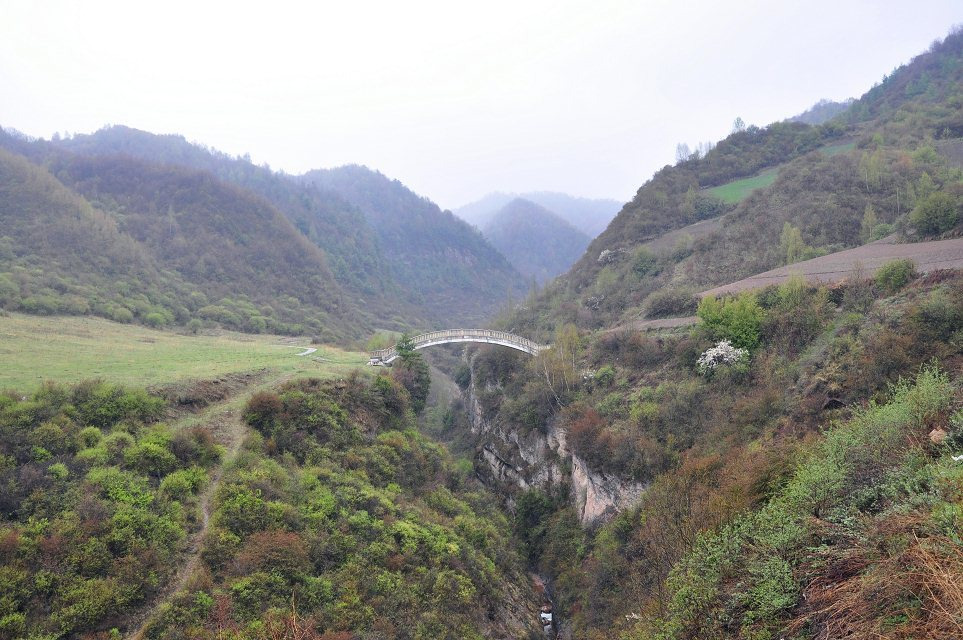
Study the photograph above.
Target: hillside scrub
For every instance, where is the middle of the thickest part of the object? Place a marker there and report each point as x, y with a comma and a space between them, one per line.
97, 499
730, 443
746, 579
339, 516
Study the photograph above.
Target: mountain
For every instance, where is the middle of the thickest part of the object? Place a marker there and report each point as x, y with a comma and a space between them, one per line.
352, 248
399, 261
885, 153
159, 244
822, 111
591, 216
444, 265
781, 468
539, 243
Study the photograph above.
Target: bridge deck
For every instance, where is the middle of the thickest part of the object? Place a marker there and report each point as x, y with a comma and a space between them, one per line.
447, 336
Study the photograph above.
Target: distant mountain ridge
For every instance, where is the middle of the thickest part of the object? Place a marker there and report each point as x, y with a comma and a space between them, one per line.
445, 265
339, 253
589, 215
538, 242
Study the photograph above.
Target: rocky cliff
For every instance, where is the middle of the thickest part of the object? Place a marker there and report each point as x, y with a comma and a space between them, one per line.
515, 458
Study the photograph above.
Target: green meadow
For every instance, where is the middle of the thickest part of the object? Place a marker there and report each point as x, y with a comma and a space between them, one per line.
738, 190
67, 349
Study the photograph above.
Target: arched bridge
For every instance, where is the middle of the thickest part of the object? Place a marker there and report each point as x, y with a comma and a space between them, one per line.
487, 336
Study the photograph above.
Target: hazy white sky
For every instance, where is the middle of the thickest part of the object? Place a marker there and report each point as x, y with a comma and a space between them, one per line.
455, 99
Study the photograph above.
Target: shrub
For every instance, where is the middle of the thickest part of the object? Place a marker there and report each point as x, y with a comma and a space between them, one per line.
895, 274
669, 302
183, 483
605, 376
155, 320
937, 213
738, 320
89, 437
121, 314
721, 355
262, 409
645, 263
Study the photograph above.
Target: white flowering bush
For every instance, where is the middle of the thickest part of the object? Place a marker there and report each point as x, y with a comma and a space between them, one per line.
723, 354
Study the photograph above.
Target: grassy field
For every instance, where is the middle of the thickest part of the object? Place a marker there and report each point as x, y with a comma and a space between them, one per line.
738, 190
836, 149
67, 349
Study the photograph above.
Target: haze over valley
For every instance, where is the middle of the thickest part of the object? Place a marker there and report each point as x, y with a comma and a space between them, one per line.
629, 321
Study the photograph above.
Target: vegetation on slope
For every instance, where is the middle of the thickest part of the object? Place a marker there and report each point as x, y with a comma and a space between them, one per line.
720, 445
537, 242
161, 245
352, 249
448, 268
831, 195
339, 518
97, 498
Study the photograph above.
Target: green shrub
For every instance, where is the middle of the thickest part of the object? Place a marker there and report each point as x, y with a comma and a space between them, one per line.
937, 213
605, 376
669, 302
183, 483
121, 314
646, 263
895, 274
738, 320
89, 437
155, 320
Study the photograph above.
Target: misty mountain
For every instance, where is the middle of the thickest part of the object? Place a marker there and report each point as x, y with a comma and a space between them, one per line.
822, 111
404, 260
539, 243
163, 245
589, 215
443, 265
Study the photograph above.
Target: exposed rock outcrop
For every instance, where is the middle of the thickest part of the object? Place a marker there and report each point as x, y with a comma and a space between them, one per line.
514, 458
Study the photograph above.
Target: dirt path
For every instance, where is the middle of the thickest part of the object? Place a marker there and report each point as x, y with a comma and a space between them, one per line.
225, 422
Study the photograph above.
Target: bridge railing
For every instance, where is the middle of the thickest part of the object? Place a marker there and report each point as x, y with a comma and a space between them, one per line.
461, 334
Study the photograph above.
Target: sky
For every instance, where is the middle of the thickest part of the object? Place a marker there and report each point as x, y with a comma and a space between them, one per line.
455, 99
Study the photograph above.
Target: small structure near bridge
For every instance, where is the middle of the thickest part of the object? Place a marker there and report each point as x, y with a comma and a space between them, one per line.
383, 357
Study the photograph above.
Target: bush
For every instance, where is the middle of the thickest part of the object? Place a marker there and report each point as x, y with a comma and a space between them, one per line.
939, 212
895, 274
121, 314
738, 320
669, 302
645, 263
155, 320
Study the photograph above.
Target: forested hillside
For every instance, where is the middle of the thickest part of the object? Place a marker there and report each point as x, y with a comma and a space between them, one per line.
784, 468
445, 267
137, 242
536, 241
220, 226
353, 253
781, 194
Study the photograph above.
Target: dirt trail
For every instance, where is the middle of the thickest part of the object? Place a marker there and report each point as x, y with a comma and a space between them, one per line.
225, 422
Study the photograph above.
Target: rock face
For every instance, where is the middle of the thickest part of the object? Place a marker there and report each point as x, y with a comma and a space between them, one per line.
599, 497
513, 459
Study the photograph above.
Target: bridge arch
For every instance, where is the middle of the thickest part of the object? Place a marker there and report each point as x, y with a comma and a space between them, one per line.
382, 357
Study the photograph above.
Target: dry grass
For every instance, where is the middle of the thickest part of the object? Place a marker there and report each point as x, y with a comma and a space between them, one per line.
898, 584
